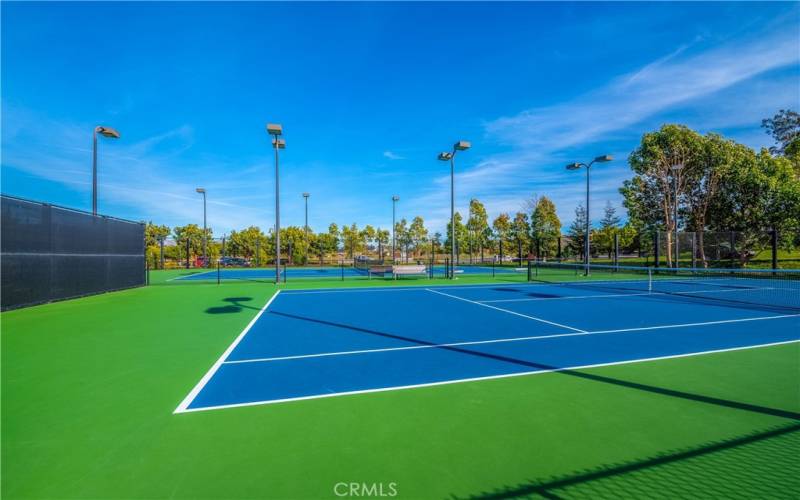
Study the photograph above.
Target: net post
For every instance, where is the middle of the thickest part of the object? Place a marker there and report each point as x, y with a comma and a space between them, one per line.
284, 272
649, 280
493, 261
529, 270
218, 272
774, 247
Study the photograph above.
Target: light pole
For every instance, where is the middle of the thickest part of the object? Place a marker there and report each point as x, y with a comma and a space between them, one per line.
675, 172
305, 196
105, 132
395, 199
276, 131
451, 157
588, 166
205, 232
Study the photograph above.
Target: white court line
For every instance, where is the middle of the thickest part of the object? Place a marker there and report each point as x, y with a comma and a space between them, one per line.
183, 406
490, 377
507, 311
502, 340
188, 276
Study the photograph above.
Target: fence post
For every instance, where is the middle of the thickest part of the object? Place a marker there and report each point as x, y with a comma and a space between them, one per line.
529, 269
559, 248
656, 248
694, 250
774, 245
187, 253
616, 249
218, 272
284, 272
341, 264
493, 261
733, 248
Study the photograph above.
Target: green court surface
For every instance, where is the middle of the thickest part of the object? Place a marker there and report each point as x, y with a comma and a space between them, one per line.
89, 387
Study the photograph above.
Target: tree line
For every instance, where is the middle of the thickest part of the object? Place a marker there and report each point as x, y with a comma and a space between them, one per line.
721, 185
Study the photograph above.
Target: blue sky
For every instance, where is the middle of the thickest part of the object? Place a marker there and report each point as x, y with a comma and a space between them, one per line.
368, 94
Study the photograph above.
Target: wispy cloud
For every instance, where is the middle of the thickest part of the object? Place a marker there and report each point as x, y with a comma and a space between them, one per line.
688, 79
392, 156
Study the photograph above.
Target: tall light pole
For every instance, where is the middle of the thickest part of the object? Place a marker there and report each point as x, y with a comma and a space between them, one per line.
588, 166
105, 132
205, 232
305, 196
395, 199
276, 131
451, 157
676, 169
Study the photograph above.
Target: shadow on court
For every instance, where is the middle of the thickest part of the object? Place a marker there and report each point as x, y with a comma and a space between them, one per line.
236, 305
757, 465
776, 412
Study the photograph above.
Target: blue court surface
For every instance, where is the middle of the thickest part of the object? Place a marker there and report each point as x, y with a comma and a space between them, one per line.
328, 272
307, 344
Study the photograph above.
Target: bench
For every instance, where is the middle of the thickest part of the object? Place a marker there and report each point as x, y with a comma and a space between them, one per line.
405, 270
378, 270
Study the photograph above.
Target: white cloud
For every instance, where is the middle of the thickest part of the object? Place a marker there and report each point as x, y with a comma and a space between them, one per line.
716, 87
392, 156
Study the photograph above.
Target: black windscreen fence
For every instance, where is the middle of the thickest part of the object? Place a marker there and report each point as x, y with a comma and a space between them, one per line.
53, 253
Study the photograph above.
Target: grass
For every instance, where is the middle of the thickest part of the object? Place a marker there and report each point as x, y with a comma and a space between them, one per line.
89, 386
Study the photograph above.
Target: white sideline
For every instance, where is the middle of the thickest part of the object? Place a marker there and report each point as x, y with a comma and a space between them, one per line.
507, 311
503, 340
184, 405
490, 377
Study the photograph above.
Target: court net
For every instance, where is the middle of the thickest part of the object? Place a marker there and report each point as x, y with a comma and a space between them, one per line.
775, 289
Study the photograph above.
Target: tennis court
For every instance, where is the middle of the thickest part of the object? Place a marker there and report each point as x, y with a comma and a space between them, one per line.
306, 344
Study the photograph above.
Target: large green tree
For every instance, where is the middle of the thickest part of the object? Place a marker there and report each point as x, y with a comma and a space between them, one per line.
502, 231
477, 225
545, 227
418, 234
520, 233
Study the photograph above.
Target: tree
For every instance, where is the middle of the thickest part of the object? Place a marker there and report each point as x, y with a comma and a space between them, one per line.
368, 236
577, 233
609, 228
477, 224
520, 232
502, 228
418, 234
758, 193
784, 127
650, 195
192, 234
382, 238
460, 231
545, 227
402, 237
351, 240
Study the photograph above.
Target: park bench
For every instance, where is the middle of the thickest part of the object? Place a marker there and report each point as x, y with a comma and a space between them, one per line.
407, 270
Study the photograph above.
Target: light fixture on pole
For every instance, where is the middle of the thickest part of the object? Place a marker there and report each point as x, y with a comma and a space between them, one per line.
676, 169
276, 131
105, 132
395, 199
588, 166
451, 157
205, 231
